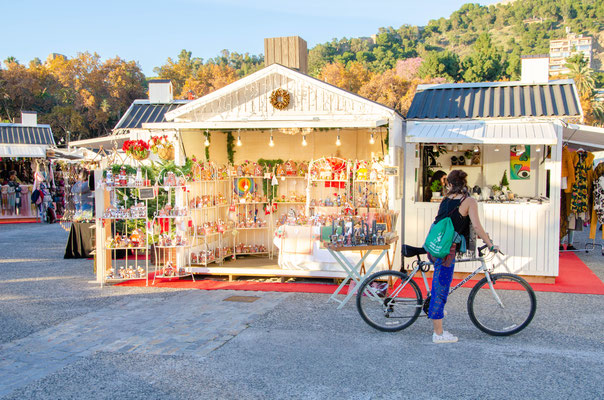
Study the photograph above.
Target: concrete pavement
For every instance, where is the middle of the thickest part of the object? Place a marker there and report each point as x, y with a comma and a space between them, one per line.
62, 337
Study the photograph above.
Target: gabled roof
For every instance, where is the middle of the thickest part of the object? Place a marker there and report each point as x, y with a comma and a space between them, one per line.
248, 99
19, 134
495, 100
143, 111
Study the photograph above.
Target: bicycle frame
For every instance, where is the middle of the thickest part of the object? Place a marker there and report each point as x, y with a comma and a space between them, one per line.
422, 264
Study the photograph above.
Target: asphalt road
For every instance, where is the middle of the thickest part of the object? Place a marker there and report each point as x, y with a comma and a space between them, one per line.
295, 346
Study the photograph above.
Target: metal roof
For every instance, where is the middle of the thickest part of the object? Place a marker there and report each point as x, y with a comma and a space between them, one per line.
142, 111
495, 100
482, 132
19, 134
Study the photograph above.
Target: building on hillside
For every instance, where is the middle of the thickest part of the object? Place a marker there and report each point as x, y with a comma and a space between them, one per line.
561, 49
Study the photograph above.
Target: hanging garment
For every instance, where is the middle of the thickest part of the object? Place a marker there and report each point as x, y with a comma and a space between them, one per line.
581, 188
597, 215
568, 169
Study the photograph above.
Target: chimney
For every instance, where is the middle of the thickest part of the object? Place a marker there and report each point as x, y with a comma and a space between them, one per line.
535, 69
290, 51
29, 118
160, 91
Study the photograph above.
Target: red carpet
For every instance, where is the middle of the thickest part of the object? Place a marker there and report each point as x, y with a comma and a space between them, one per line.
25, 220
575, 277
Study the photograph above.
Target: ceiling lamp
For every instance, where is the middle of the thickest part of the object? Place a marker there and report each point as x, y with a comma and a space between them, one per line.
538, 149
496, 148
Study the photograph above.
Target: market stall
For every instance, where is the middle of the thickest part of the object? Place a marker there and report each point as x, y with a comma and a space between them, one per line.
24, 168
511, 151
283, 155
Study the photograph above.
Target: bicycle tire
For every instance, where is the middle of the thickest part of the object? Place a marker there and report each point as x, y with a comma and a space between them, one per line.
373, 301
517, 297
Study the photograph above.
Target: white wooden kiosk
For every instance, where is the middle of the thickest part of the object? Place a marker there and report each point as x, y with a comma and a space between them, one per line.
319, 111
491, 117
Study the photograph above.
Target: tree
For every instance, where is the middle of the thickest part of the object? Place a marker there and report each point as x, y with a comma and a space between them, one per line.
484, 64
350, 78
440, 64
179, 71
408, 69
581, 74
386, 88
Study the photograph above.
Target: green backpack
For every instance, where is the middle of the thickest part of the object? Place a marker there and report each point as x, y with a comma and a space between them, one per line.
440, 238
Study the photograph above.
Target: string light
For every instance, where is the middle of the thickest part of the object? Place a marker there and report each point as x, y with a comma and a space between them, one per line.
338, 141
304, 141
371, 139
239, 138
207, 142
271, 142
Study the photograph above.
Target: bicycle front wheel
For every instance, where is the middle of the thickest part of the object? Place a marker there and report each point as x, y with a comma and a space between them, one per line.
387, 302
506, 308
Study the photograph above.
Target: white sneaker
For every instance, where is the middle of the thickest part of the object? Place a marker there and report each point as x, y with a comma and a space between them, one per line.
446, 337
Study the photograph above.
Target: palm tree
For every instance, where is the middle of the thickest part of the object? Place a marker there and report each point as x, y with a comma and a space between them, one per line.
583, 77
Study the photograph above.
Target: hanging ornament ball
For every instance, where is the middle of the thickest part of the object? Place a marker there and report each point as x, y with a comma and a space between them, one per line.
280, 99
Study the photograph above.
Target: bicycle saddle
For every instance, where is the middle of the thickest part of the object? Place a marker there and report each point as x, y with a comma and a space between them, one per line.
410, 251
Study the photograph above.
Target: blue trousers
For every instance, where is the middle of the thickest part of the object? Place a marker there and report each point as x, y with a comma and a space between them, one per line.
441, 282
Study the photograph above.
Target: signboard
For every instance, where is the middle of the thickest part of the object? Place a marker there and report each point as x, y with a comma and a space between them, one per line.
391, 171
146, 193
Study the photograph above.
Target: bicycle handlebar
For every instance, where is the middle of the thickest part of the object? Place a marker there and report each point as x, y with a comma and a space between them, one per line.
481, 249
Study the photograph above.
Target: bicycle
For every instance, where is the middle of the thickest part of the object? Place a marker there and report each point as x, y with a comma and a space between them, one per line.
500, 304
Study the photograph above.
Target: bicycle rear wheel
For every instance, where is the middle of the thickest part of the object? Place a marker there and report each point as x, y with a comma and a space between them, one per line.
387, 303
505, 310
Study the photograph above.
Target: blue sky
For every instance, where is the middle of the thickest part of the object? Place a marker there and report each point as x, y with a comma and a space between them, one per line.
151, 31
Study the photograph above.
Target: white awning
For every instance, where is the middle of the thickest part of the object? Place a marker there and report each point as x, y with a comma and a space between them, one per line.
107, 142
482, 132
18, 150
588, 137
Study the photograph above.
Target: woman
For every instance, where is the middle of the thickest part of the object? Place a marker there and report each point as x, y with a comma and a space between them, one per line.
462, 209
440, 176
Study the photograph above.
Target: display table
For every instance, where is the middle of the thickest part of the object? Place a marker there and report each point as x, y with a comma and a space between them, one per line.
355, 272
79, 243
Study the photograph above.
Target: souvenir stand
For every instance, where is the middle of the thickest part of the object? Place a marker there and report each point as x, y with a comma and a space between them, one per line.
267, 131
511, 152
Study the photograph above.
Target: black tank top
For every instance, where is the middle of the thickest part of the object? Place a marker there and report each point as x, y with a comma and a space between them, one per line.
450, 208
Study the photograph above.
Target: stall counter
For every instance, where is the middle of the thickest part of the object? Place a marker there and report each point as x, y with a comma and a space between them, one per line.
526, 232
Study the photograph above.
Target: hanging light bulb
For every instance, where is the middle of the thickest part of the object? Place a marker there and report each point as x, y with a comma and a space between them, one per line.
304, 141
371, 139
207, 142
271, 142
239, 138
338, 141
476, 149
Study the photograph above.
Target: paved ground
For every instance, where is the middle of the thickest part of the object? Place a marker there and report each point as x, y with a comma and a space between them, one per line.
63, 337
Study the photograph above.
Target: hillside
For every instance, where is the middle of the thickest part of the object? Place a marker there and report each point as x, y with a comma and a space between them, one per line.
518, 28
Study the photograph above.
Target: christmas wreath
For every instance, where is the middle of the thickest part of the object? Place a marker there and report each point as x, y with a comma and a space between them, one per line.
280, 99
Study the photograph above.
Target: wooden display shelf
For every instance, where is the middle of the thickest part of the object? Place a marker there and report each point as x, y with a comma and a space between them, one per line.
465, 166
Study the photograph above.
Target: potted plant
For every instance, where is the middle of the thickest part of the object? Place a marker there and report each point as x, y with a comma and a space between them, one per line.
162, 147
504, 181
137, 149
468, 154
436, 188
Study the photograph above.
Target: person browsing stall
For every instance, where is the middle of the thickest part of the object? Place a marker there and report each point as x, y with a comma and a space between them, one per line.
463, 210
